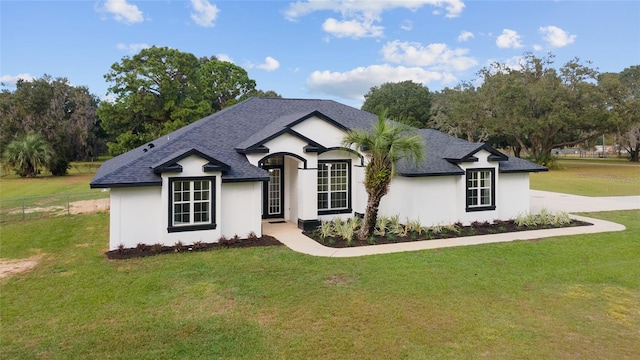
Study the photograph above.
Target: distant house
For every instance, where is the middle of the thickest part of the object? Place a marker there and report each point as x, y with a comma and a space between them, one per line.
284, 158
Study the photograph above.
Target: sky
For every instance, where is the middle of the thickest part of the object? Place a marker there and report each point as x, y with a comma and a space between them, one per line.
315, 49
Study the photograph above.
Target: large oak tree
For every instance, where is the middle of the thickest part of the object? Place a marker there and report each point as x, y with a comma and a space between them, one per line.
407, 101
161, 89
541, 108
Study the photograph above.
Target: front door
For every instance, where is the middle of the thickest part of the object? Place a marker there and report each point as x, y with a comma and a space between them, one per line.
273, 202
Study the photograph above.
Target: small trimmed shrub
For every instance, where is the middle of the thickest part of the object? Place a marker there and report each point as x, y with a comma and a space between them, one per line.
381, 225
326, 229
414, 226
395, 227
157, 248
453, 228
346, 230
235, 239
224, 241
199, 245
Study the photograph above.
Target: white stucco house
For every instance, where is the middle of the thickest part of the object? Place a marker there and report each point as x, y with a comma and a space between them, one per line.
283, 158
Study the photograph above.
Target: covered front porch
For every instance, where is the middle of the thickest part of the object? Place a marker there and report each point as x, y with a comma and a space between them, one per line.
290, 194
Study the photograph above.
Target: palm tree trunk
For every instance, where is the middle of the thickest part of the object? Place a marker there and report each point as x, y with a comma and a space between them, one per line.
371, 212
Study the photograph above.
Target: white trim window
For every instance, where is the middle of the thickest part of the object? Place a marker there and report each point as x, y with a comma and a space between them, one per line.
480, 189
334, 186
191, 204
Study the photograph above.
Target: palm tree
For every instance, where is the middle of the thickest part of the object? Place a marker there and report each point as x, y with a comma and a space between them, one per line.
385, 144
26, 154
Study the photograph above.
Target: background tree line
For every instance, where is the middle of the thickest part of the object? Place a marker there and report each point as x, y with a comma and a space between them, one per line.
47, 122
530, 109
52, 120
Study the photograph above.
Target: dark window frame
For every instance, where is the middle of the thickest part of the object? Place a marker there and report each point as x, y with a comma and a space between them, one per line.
331, 211
474, 207
212, 197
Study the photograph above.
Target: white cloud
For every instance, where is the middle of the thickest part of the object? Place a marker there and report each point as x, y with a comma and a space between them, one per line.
509, 39
205, 13
225, 57
301, 8
123, 11
270, 64
12, 80
438, 56
465, 36
132, 48
537, 47
352, 28
353, 84
359, 17
556, 37
406, 25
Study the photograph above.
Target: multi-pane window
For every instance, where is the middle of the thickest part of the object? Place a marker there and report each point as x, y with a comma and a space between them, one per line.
191, 202
480, 189
333, 186
275, 192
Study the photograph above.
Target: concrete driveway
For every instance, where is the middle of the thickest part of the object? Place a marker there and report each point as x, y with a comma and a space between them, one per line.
575, 203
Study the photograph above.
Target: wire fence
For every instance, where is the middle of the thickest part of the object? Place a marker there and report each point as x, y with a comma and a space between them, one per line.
53, 205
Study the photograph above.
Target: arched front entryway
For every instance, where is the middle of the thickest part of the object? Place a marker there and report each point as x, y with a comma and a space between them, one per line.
280, 195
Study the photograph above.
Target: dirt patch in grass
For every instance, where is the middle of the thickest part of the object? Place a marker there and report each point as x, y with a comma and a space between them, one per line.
89, 206
338, 280
143, 250
12, 267
75, 208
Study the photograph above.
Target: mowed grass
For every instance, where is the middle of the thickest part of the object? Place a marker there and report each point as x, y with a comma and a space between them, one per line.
558, 298
592, 177
77, 181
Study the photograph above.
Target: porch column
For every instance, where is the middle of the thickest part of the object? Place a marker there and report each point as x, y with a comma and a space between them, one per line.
307, 198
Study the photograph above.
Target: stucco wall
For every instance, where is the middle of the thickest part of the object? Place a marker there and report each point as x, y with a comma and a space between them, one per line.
432, 200
513, 195
442, 199
241, 208
135, 216
320, 131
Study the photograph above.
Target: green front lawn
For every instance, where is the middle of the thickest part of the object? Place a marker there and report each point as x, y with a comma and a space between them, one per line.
590, 177
559, 298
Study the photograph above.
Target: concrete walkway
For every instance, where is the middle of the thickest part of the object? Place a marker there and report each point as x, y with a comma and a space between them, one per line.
291, 236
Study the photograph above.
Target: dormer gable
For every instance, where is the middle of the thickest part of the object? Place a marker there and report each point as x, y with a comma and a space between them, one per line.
284, 125
466, 152
171, 164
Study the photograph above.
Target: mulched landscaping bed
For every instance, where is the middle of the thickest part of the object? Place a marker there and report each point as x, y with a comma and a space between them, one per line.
151, 250
335, 242
472, 230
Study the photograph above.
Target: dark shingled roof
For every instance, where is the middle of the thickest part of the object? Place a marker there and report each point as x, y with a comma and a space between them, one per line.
223, 136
